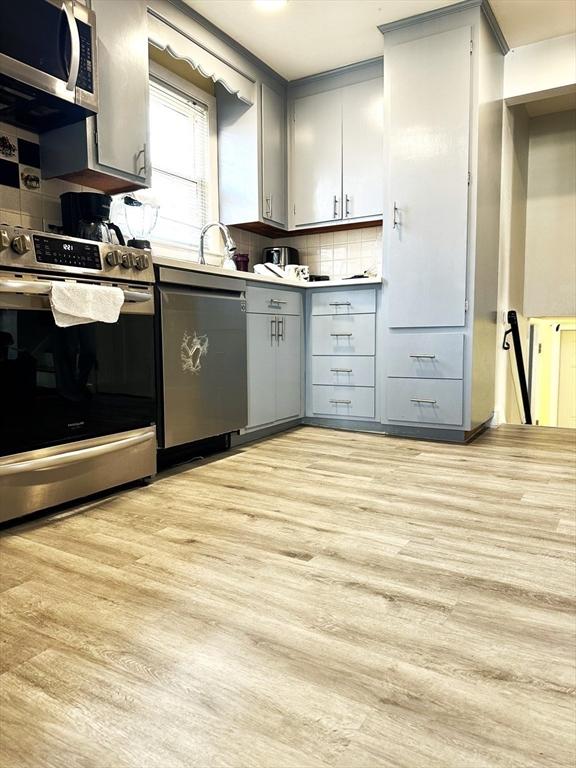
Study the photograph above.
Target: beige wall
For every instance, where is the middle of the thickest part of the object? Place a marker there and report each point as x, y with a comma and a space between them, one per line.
538, 68
550, 265
511, 265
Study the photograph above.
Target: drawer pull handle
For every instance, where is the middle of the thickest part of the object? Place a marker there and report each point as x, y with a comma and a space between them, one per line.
425, 357
277, 301
340, 304
340, 334
341, 370
417, 400
344, 402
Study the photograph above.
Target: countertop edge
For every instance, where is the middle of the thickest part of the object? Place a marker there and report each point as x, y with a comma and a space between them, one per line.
207, 269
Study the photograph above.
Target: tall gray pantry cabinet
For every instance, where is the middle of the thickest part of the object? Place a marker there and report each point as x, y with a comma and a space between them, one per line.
443, 73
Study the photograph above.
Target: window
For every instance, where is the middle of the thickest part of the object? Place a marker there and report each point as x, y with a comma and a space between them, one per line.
184, 163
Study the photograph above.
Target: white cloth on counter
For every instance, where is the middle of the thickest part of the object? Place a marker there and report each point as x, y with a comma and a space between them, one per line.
79, 303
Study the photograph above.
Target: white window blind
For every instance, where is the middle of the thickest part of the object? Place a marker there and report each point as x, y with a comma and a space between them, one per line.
179, 144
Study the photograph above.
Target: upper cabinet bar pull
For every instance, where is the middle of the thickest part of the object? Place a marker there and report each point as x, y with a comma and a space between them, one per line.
347, 207
341, 370
426, 357
345, 402
340, 304
340, 334
417, 400
335, 211
395, 219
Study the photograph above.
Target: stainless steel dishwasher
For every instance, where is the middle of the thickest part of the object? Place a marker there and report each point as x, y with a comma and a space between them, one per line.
203, 355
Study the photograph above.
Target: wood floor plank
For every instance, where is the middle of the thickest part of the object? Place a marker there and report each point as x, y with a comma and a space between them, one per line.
318, 599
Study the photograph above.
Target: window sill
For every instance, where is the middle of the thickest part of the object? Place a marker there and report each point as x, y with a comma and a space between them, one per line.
187, 253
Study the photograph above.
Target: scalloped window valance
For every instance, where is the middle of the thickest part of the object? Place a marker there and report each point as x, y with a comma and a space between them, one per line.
163, 35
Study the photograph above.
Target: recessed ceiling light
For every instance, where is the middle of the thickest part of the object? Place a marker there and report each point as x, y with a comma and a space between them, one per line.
270, 5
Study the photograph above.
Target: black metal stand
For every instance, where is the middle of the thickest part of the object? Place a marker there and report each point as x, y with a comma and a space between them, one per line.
513, 320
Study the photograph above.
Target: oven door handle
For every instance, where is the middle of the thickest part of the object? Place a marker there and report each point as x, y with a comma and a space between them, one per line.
68, 10
136, 296
42, 288
71, 457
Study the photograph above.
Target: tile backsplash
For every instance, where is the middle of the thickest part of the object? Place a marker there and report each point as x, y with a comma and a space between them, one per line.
25, 198
343, 253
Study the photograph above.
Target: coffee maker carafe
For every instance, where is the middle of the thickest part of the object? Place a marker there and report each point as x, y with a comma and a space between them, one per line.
86, 215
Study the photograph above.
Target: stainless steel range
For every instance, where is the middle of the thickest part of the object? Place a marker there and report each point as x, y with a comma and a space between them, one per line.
77, 404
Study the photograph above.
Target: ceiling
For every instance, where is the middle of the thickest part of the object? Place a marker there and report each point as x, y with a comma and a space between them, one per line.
303, 37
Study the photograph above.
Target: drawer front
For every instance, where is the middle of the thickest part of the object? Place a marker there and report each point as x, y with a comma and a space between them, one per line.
346, 335
346, 302
343, 371
426, 355
273, 301
357, 402
425, 401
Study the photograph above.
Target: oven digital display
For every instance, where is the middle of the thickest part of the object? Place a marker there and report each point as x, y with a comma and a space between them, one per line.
50, 250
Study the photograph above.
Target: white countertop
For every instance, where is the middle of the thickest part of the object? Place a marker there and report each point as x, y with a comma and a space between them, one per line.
207, 269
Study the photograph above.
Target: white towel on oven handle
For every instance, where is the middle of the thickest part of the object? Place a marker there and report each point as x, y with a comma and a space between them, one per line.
78, 303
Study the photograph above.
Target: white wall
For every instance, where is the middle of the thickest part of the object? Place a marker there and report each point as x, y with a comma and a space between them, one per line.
540, 67
550, 265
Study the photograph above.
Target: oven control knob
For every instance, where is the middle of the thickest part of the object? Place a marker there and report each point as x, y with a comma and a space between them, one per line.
142, 261
128, 260
4, 239
113, 258
21, 244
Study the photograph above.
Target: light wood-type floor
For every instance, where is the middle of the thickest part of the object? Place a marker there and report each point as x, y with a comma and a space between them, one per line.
319, 599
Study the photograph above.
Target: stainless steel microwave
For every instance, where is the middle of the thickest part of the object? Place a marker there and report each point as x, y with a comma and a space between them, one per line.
48, 63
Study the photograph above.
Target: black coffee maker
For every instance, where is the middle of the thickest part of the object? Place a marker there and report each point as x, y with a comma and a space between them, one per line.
86, 215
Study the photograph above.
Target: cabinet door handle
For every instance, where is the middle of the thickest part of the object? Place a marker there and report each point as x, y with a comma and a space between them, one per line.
141, 168
395, 219
425, 357
340, 334
347, 207
344, 402
268, 213
280, 329
418, 400
341, 370
340, 304
335, 210
273, 335
277, 301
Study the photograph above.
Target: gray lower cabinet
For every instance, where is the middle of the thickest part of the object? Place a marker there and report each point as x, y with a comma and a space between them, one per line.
342, 349
110, 152
425, 401
274, 361
356, 402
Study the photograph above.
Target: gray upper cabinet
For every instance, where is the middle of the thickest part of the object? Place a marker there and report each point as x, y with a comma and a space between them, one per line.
317, 158
428, 112
252, 157
362, 146
273, 133
122, 120
110, 151
337, 154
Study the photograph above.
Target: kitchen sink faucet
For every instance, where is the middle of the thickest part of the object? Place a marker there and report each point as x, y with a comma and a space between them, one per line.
229, 243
